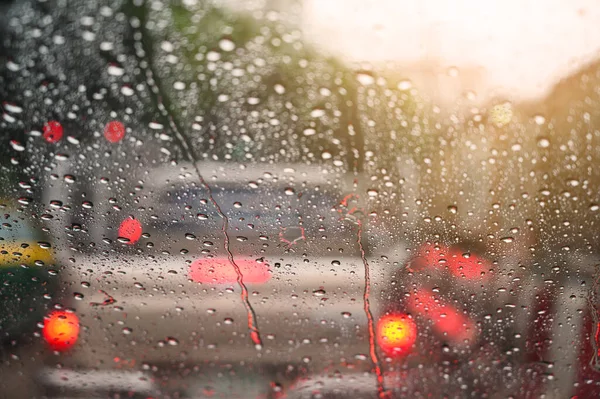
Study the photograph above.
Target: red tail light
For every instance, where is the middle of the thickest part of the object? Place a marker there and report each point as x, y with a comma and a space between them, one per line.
429, 257
221, 271
61, 330
396, 334
131, 229
439, 257
446, 318
471, 268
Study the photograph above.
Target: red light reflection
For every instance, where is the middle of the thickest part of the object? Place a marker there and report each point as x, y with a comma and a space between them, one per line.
446, 318
429, 256
53, 131
220, 271
131, 229
61, 330
114, 131
469, 267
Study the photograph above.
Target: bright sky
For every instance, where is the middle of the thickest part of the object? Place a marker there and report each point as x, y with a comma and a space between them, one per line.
523, 46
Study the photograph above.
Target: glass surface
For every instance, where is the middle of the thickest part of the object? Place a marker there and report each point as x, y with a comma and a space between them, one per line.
299, 199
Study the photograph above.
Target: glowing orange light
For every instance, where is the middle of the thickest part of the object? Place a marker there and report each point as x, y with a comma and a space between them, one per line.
61, 330
396, 334
220, 271
131, 229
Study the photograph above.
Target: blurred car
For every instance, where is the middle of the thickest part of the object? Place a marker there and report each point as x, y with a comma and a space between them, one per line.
28, 276
182, 292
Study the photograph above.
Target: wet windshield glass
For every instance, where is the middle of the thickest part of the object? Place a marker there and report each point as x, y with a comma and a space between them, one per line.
299, 199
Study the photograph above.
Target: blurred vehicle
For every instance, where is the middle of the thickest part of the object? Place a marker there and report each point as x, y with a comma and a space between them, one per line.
185, 291
27, 275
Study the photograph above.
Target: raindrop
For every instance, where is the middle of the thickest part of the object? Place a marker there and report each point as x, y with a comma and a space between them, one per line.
12, 108
317, 113
543, 142
573, 182
130, 231
115, 70
365, 78
279, 89
17, 146
114, 131
405, 85
226, 45
53, 131
539, 119
126, 91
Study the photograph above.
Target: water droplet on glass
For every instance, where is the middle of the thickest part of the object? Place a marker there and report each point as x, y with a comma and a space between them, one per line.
115, 70
405, 85
539, 119
317, 113
53, 131
543, 142
130, 231
114, 131
365, 78
226, 45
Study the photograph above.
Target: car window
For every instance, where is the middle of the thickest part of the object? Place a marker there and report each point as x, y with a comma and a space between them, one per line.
299, 199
